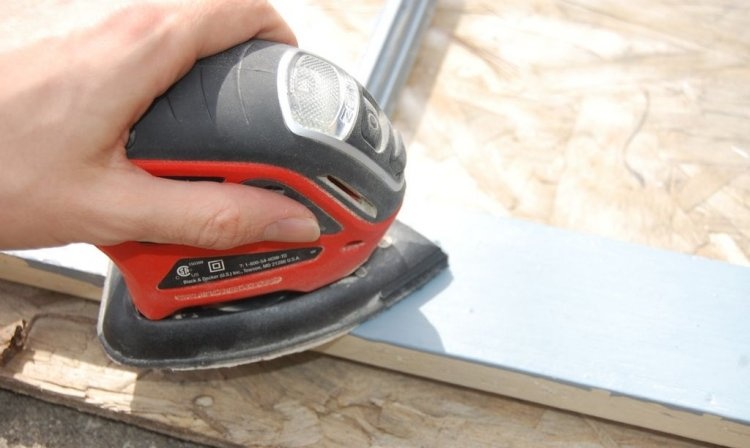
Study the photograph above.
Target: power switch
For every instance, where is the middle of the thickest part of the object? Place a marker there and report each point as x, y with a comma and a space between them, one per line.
371, 125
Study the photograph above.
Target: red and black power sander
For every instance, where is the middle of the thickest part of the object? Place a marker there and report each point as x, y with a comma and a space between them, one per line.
271, 116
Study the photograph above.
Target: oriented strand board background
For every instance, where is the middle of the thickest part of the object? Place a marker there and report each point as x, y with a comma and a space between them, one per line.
625, 119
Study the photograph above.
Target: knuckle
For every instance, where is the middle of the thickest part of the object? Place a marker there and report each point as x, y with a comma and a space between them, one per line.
222, 229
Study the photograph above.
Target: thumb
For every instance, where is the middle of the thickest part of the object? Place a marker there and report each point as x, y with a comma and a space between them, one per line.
209, 214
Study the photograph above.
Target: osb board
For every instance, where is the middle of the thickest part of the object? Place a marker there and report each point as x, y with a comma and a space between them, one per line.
299, 401
624, 119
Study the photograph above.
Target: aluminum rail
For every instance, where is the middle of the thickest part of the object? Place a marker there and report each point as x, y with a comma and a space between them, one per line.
393, 47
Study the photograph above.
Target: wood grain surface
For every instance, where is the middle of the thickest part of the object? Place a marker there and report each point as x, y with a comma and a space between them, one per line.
623, 119
299, 401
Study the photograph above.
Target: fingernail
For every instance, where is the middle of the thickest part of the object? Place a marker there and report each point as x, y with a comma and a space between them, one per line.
292, 230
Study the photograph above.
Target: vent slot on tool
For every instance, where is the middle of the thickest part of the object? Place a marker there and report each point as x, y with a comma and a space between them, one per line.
352, 195
195, 178
275, 188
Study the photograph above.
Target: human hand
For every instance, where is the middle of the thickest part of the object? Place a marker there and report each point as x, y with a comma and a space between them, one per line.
76, 75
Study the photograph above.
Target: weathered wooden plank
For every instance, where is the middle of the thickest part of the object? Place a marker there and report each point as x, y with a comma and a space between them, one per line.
298, 401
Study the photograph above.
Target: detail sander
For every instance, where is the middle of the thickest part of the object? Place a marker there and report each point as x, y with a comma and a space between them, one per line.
271, 116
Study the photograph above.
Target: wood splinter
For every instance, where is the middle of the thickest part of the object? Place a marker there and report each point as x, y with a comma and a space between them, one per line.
15, 344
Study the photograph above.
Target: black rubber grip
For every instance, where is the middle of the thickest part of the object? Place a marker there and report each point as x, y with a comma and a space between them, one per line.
227, 108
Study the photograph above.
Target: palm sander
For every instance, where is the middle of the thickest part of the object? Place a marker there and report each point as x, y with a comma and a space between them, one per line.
270, 116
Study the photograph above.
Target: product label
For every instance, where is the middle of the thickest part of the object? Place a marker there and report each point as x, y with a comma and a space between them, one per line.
194, 271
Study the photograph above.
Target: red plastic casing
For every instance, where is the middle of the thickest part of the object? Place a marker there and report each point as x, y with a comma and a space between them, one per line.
145, 265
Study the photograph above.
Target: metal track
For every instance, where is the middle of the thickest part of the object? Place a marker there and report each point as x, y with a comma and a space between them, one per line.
392, 48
